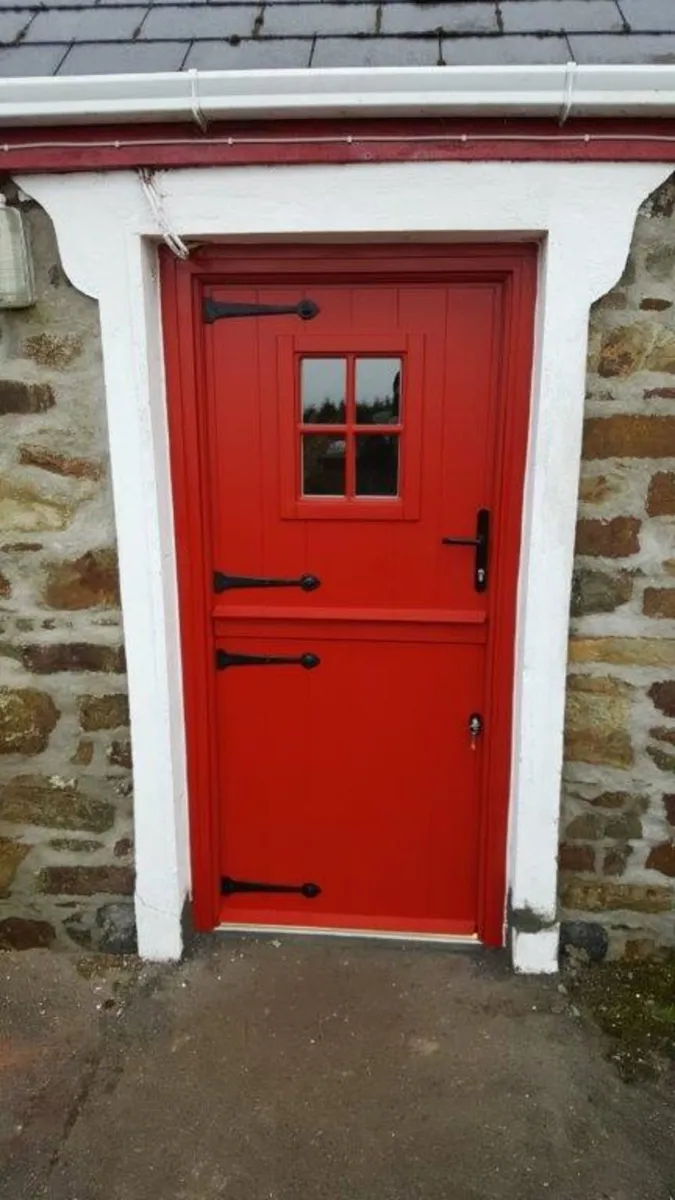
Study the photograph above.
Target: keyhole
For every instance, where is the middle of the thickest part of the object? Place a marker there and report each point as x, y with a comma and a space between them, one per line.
475, 728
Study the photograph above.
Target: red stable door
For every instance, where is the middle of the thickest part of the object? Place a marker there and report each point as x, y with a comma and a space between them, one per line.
360, 524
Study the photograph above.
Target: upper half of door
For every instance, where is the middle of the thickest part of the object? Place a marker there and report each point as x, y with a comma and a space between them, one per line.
347, 445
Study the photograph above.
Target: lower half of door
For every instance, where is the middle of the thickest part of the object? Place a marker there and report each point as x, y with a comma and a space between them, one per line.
349, 781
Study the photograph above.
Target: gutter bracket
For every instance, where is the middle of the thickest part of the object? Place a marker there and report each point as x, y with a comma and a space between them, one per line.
568, 89
195, 107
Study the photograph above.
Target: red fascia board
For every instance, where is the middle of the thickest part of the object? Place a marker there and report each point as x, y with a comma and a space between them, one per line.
120, 147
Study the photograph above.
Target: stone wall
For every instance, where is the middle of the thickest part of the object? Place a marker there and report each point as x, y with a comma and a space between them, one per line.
617, 858
66, 850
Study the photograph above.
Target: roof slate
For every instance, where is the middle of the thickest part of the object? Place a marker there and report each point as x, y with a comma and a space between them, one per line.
69, 37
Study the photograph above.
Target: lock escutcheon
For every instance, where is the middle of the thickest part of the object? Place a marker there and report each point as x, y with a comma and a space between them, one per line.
475, 725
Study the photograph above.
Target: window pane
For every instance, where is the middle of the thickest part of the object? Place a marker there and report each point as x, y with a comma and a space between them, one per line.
376, 465
378, 391
323, 390
323, 465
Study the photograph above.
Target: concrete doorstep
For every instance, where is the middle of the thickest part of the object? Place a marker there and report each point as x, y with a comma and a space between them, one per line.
293, 1069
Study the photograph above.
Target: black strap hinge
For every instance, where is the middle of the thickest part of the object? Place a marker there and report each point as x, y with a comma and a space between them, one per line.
225, 583
230, 887
222, 310
224, 660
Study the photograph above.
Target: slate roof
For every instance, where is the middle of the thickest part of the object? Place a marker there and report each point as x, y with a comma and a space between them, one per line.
89, 37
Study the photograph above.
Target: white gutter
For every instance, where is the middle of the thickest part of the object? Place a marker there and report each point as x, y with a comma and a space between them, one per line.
539, 91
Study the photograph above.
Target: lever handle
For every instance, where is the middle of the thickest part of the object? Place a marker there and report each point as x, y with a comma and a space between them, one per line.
481, 542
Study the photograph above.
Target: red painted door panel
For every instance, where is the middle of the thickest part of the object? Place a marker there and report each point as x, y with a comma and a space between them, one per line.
358, 776
346, 448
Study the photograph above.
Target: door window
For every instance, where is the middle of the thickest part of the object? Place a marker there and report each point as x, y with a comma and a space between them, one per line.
359, 398
350, 415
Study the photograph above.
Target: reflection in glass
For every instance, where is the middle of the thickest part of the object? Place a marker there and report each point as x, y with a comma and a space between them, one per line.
378, 391
323, 465
377, 465
322, 382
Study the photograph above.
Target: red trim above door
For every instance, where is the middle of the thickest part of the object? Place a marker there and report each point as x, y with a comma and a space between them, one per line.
473, 139
514, 269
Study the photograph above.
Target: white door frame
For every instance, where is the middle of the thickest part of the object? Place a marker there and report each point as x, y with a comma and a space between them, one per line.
583, 214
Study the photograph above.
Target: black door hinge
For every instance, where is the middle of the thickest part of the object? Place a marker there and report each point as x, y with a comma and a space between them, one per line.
230, 887
224, 659
220, 310
224, 583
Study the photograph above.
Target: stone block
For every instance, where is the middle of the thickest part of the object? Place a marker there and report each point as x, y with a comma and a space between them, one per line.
5, 587
53, 803
624, 652
588, 936
60, 464
90, 581
57, 351
594, 489
615, 860
663, 760
119, 754
629, 436
117, 924
78, 928
659, 603
598, 591
586, 827
103, 712
53, 657
662, 858
23, 509
655, 304
591, 895
663, 733
638, 949
123, 848
76, 845
662, 696
617, 538
22, 933
625, 826
576, 858
662, 355
669, 805
660, 393
661, 494
84, 753
87, 881
614, 800
623, 350
27, 718
660, 262
12, 855
596, 722
19, 397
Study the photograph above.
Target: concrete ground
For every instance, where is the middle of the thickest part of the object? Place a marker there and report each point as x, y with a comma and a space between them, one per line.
310, 1070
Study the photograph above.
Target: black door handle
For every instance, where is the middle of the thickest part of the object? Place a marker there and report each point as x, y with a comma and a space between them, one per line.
482, 543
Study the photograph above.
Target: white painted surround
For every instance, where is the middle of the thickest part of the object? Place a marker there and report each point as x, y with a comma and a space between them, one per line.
584, 216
